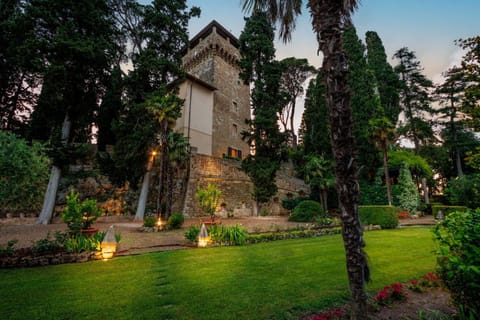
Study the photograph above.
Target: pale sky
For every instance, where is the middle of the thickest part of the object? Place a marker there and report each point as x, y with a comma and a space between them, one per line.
427, 27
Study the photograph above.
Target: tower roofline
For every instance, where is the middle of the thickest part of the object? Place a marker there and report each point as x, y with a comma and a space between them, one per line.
209, 29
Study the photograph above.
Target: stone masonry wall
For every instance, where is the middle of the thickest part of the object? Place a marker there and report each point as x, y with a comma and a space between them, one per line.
235, 185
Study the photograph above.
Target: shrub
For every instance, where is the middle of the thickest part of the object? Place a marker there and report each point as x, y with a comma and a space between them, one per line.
464, 191
48, 245
233, 235
8, 250
307, 211
24, 174
384, 216
149, 222
458, 259
78, 242
80, 215
175, 221
208, 199
290, 204
192, 233
446, 209
408, 199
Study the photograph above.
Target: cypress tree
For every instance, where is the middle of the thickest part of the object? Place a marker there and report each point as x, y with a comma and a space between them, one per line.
258, 67
364, 102
387, 82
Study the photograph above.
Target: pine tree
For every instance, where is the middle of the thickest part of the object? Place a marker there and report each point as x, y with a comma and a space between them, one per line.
471, 68
294, 73
415, 98
387, 82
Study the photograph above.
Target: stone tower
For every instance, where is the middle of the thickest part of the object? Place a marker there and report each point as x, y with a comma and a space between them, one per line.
212, 57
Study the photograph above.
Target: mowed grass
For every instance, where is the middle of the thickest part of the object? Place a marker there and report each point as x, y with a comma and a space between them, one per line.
275, 280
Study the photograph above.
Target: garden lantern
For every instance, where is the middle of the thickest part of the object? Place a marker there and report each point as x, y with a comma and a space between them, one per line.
203, 237
160, 224
109, 244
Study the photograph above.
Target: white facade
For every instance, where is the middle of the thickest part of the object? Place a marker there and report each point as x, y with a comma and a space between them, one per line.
196, 121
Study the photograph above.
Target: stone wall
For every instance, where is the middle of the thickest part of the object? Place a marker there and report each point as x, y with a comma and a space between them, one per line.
236, 187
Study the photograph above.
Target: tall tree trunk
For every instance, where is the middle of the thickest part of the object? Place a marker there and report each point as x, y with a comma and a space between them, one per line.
142, 199
425, 191
327, 23
458, 161
292, 126
51, 193
387, 175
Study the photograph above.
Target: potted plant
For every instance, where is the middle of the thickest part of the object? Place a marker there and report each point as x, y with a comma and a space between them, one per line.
80, 216
208, 199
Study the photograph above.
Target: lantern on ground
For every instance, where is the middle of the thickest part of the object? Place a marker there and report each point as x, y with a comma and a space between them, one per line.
160, 224
109, 244
203, 237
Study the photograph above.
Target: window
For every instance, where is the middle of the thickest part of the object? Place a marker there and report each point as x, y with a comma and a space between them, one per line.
234, 130
234, 153
235, 106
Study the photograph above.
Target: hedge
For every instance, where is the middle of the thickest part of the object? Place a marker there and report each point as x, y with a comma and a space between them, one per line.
446, 209
384, 216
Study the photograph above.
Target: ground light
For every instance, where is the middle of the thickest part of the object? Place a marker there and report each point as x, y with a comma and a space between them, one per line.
203, 237
160, 224
109, 244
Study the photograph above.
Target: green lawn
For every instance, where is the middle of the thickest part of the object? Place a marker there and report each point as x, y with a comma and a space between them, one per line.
263, 281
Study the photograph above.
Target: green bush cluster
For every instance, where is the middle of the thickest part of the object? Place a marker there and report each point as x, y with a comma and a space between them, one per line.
384, 216
446, 209
149, 222
68, 242
24, 170
175, 221
290, 204
224, 235
458, 260
307, 211
464, 191
294, 234
80, 215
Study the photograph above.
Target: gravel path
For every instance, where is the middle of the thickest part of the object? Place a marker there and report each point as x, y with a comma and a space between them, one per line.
134, 240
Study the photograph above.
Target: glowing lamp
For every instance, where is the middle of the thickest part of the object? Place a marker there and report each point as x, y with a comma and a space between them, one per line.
160, 224
203, 238
109, 244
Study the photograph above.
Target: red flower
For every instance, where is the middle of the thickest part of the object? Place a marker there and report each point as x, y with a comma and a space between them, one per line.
397, 288
337, 313
382, 295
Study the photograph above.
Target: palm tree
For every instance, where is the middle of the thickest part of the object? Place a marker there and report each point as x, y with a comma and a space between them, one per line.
318, 174
178, 156
381, 131
329, 19
165, 109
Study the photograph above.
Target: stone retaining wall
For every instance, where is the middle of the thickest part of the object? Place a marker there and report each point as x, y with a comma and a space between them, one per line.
236, 186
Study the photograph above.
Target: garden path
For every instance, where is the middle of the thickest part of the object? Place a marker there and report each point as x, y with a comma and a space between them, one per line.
135, 241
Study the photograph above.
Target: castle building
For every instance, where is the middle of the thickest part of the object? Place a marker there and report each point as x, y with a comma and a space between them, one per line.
217, 102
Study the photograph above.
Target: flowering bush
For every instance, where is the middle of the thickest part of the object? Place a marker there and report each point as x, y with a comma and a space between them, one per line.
415, 285
430, 280
390, 293
328, 315
403, 215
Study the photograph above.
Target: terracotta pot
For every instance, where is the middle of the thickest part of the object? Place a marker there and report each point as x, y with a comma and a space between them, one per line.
89, 231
